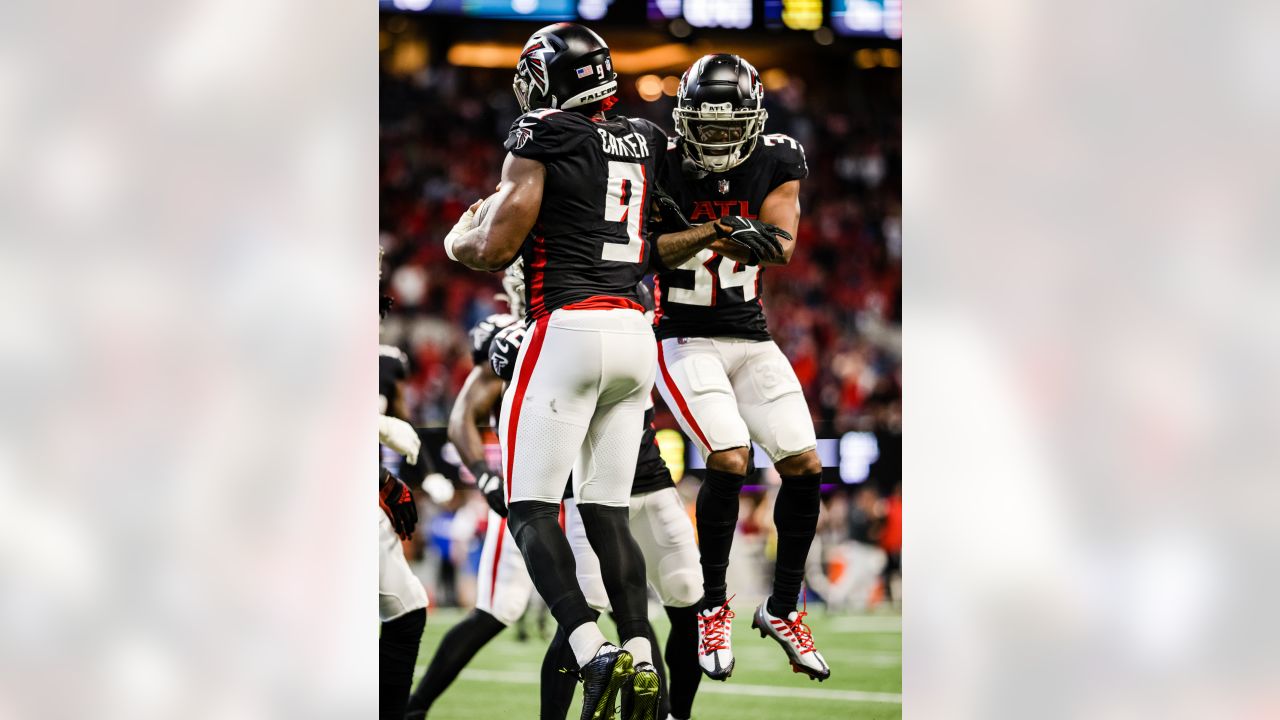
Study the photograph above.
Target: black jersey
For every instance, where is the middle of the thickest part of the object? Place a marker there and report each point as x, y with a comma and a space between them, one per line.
393, 366
588, 247
710, 295
483, 333
651, 471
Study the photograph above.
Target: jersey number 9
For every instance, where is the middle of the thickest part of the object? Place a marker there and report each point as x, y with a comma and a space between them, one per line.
624, 202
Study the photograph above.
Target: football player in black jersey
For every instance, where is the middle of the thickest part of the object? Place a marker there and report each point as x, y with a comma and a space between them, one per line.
721, 374
572, 202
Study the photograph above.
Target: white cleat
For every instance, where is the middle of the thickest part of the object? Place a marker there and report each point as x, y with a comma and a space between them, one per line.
715, 647
794, 637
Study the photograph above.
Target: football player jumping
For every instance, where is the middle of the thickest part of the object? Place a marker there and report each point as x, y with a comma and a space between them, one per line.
571, 201
662, 529
720, 372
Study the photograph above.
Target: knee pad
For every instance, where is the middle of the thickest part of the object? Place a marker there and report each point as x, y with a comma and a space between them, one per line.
682, 588
525, 513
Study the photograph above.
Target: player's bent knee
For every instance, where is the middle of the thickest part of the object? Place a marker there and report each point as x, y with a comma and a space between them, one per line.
682, 589
733, 460
806, 463
521, 513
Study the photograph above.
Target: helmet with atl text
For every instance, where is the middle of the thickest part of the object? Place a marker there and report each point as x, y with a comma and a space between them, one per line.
719, 112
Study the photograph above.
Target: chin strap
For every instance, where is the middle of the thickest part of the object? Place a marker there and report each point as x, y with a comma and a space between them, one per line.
608, 103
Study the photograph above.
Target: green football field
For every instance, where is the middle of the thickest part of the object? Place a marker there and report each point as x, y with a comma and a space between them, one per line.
864, 651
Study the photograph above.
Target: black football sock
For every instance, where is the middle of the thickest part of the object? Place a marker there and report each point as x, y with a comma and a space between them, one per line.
397, 653
795, 515
608, 530
559, 678
717, 509
683, 672
536, 527
457, 647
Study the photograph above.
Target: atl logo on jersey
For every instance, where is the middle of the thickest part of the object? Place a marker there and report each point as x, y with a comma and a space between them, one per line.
715, 209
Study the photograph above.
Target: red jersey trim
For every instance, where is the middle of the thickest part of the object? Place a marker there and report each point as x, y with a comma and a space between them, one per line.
604, 302
537, 276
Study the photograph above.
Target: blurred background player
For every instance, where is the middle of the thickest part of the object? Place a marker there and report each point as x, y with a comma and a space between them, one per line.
720, 372
504, 585
393, 369
402, 601
571, 200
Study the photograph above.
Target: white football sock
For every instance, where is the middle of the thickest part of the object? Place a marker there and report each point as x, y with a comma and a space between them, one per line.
640, 649
585, 642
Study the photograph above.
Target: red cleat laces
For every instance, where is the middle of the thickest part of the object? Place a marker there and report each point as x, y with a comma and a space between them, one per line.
715, 624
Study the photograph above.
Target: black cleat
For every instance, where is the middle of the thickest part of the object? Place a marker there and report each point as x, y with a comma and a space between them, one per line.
607, 672
640, 696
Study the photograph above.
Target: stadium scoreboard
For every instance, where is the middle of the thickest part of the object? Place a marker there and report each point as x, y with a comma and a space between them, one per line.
867, 18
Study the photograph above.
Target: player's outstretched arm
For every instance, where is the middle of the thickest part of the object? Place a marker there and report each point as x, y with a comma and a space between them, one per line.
490, 241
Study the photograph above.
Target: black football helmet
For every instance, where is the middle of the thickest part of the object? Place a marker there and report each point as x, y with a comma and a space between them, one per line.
719, 112
564, 66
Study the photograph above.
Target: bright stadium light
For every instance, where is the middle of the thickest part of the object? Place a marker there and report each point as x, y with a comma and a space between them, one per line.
802, 14
649, 87
524, 7
775, 79
857, 451
718, 13
864, 16
668, 8
893, 18
593, 9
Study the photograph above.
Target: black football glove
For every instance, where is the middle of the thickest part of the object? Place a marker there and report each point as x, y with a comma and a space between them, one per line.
759, 239
396, 500
490, 484
668, 216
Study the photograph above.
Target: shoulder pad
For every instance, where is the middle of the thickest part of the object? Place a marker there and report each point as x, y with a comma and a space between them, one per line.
544, 134
787, 156
504, 350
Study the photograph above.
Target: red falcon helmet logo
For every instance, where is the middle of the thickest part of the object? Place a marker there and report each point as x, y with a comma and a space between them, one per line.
533, 63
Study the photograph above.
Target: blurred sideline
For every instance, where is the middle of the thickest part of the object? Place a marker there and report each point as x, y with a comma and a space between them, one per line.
1090, 346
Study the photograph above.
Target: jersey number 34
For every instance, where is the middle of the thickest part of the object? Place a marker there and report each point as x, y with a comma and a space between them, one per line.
707, 283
